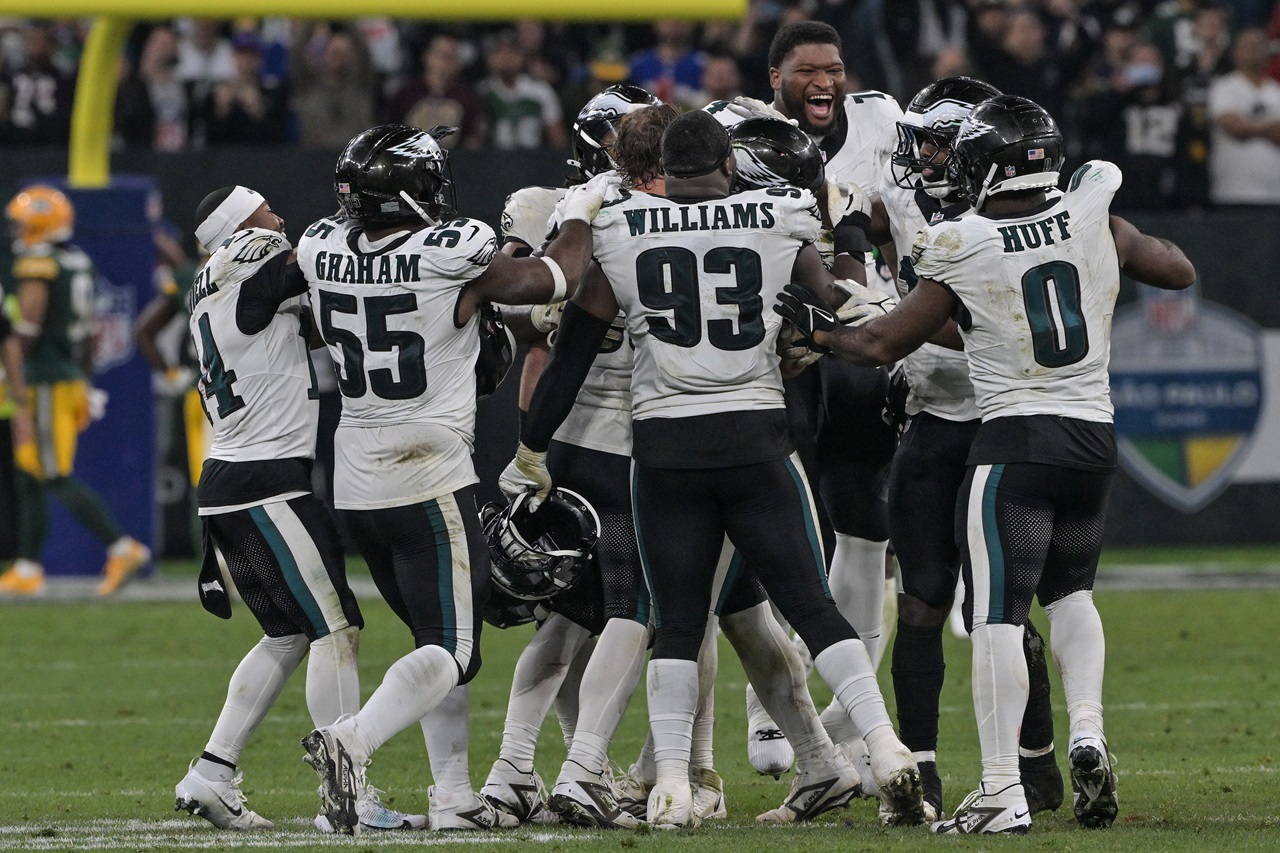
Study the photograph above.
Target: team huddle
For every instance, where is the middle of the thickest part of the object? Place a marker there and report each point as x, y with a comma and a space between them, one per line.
755, 333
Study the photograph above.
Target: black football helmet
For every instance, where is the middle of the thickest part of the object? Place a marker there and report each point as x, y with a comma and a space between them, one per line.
497, 351
505, 611
1007, 143
932, 119
772, 152
596, 124
536, 555
394, 173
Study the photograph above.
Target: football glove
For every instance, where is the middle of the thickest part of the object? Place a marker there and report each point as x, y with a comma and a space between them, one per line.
527, 472
97, 403
174, 382
845, 199
585, 200
755, 108
795, 353
894, 413
863, 303
546, 317
805, 310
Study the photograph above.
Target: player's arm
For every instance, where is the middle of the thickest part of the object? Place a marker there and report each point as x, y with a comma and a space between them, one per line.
33, 303
262, 294
809, 270
154, 317
1151, 260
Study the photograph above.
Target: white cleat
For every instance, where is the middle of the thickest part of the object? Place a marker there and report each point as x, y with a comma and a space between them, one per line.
632, 793
1004, 812
376, 817
586, 799
1093, 782
341, 779
520, 794
770, 752
828, 786
708, 794
895, 772
464, 811
222, 803
671, 806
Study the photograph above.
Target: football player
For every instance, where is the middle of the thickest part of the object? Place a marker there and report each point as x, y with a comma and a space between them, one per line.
930, 462
711, 449
55, 283
397, 283
1031, 277
250, 321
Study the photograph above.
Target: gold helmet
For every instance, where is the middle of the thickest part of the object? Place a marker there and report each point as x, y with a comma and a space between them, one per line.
40, 214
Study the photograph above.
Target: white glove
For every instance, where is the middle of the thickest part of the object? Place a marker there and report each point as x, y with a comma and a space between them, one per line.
754, 108
793, 350
527, 473
97, 403
174, 382
845, 198
546, 317
584, 201
863, 304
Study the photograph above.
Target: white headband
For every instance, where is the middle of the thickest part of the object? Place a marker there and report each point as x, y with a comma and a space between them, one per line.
226, 219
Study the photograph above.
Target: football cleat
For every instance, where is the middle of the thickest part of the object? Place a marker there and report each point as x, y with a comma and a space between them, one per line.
1004, 812
520, 794
1093, 782
708, 793
465, 811
376, 817
857, 755
770, 752
898, 778
22, 583
830, 785
341, 779
583, 798
632, 792
221, 802
932, 783
1042, 781
124, 560
671, 806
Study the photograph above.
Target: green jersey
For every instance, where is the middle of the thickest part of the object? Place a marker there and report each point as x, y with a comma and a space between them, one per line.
59, 353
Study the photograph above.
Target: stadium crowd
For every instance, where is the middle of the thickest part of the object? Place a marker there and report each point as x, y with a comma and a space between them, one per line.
1130, 80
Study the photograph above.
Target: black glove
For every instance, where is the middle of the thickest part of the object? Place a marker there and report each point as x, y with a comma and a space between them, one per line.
806, 311
894, 413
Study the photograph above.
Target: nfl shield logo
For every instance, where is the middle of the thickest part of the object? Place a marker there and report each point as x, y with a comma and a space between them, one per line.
1187, 383
1010, 172
113, 324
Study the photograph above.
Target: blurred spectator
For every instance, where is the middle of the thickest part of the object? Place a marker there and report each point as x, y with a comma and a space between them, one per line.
1012, 51
37, 94
951, 62
720, 80
164, 112
1244, 156
605, 70
1169, 28
1210, 42
1205, 59
522, 112
1273, 30
247, 110
1137, 124
917, 32
542, 59
439, 96
333, 85
1119, 35
205, 59
671, 69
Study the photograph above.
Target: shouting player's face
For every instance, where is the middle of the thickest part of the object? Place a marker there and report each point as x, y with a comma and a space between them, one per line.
810, 84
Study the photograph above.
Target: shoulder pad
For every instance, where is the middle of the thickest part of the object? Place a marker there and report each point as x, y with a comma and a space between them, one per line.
253, 245
1096, 176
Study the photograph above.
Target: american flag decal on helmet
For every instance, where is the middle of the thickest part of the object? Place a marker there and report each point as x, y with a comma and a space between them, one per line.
1035, 154
344, 187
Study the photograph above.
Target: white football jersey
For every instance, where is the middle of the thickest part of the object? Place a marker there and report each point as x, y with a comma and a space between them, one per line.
696, 281
258, 389
406, 370
869, 142
526, 212
938, 377
1039, 289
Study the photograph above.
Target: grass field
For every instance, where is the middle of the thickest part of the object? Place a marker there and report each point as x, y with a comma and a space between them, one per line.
105, 703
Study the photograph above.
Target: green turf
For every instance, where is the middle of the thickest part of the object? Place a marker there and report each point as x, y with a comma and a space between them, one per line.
105, 703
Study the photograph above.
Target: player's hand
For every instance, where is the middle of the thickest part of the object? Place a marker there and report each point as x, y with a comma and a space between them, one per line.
527, 473
863, 304
805, 310
845, 199
796, 354
546, 318
585, 200
22, 428
755, 108
174, 382
97, 403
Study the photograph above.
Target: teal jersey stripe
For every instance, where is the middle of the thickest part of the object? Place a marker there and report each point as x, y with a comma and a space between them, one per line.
289, 570
644, 557
810, 526
991, 535
731, 578
444, 573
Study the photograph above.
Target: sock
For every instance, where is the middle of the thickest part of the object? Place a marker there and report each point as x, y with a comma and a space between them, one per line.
857, 585
757, 716
214, 768
414, 685
568, 697
918, 672
333, 679
888, 621
608, 683
445, 729
1036, 735
1080, 651
999, 700
835, 721
33, 515
87, 507
644, 761
770, 660
673, 700
846, 669
253, 689
702, 749
538, 675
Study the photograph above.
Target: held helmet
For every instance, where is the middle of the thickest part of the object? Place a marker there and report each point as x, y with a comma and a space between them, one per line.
597, 124
1006, 144
393, 173
40, 214
505, 611
772, 152
930, 125
536, 555
497, 351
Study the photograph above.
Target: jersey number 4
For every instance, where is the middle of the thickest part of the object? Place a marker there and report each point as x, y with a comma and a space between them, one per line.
667, 280
1051, 294
409, 345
